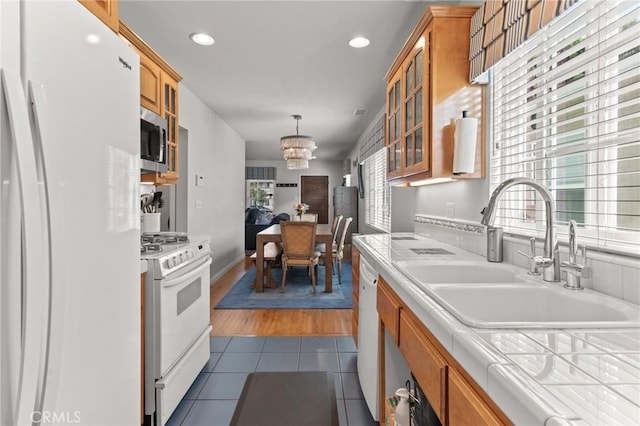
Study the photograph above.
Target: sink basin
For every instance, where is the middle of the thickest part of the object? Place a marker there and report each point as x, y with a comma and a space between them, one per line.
534, 306
459, 273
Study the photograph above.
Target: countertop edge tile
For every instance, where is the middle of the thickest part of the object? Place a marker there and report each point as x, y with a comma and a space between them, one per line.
521, 398
476, 354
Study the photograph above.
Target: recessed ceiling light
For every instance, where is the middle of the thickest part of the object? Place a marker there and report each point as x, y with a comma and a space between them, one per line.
359, 42
202, 39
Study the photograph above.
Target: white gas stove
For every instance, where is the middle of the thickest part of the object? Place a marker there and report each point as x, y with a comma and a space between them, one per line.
177, 311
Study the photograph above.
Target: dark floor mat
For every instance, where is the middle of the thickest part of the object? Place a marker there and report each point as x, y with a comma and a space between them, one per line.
287, 398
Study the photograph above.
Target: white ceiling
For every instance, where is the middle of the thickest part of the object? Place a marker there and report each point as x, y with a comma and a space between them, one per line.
273, 59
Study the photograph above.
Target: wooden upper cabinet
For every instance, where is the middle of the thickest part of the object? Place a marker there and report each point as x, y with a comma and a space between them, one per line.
170, 113
394, 126
105, 10
150, 85
427, 89
158, 93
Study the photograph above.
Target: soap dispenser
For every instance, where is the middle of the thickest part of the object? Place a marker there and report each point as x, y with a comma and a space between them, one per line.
401, 415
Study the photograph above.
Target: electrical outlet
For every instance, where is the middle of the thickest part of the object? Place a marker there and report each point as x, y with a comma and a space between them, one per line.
451, 210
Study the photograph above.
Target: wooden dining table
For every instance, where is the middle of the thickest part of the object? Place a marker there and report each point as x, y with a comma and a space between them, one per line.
273, 233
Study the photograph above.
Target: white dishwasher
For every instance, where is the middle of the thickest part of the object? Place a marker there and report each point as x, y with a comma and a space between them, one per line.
368, 337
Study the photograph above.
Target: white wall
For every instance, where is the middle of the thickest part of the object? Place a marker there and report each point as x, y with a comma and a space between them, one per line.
216, 208
285, 198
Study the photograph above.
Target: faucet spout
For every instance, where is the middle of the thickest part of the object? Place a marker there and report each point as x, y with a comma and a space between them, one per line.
551, 257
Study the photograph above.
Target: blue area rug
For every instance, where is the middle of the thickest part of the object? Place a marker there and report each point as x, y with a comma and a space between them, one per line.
297, 295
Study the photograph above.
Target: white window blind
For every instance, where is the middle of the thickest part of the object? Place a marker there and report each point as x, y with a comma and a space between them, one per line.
566, 112
377, 192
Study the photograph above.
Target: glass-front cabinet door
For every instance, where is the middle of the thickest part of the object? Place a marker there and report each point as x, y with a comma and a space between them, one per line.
413, 108
394, 127
170, 108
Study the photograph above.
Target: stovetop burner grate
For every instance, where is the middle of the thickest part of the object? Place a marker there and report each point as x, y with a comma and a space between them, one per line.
165, 238
150, 248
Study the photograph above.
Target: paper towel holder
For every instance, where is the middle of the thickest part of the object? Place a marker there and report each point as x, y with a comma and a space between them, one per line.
464, 150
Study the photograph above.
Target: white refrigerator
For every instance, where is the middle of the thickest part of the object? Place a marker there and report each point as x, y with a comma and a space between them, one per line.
69, 225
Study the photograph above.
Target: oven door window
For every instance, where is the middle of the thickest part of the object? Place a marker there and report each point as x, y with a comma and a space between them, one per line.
188, 296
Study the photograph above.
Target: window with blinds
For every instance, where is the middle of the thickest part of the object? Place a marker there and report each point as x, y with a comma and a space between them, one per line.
377, 192
566, 112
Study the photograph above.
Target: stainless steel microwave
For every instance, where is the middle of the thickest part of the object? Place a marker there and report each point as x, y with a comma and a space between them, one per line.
153, 142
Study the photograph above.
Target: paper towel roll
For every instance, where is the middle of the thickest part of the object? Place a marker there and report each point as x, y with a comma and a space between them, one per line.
464, 150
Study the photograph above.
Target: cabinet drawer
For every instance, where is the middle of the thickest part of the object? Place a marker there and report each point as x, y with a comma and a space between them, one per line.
465, 405
427, 365
388, 306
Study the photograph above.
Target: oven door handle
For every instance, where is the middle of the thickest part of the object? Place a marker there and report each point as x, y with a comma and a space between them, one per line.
182, 278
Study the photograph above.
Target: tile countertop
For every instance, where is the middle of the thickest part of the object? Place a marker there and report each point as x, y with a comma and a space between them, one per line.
536, 376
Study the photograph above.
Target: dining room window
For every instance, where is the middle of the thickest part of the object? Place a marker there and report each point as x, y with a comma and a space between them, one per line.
566, 112
377, 192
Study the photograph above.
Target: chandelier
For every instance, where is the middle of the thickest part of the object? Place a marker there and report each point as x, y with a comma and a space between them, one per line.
297, 149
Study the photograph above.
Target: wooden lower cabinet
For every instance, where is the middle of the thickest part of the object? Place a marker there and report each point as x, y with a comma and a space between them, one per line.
355, 295
427, 365
465, 405
453, 395
388, 305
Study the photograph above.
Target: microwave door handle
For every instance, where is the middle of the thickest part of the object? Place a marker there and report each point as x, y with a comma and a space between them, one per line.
182, 278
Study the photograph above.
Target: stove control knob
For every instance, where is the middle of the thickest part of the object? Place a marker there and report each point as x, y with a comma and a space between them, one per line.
169, 263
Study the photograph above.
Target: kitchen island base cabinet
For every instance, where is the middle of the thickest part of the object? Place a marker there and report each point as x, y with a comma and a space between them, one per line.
453, 395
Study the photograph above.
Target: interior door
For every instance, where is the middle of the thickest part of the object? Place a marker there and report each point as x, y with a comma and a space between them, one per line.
314, 190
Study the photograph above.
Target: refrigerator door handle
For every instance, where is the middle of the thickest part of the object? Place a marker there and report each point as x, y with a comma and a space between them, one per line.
31, 360
50, 363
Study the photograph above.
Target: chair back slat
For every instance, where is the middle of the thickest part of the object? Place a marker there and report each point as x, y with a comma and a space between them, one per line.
335, 227
345, 227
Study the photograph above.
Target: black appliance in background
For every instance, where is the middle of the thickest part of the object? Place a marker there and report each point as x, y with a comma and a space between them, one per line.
422, 413
345, 203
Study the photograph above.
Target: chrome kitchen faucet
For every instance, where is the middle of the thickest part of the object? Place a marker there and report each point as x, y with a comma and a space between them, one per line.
550, 260
574, 270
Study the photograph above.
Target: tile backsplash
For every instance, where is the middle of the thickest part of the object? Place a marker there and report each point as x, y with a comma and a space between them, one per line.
613, 274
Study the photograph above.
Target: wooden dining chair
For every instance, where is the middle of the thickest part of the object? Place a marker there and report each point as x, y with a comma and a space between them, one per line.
298, 242
337, 251
334, 230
